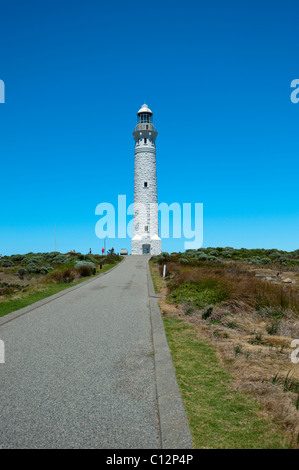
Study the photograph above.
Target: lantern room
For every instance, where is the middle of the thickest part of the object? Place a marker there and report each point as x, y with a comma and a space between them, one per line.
144, 115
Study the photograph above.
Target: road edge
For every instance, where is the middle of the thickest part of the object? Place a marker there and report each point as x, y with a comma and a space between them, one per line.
22, 311
175, 432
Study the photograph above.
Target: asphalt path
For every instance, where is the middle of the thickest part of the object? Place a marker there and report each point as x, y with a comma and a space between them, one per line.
79, 370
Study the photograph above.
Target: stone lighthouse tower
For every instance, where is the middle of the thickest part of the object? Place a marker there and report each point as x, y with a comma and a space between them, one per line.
146, 226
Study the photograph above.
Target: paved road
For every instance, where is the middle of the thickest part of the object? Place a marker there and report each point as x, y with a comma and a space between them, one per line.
79, 370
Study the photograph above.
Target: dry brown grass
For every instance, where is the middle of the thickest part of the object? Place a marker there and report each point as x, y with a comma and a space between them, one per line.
242, 285
252, 333
63, 275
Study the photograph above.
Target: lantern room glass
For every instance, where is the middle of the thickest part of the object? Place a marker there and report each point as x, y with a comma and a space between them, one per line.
145, 118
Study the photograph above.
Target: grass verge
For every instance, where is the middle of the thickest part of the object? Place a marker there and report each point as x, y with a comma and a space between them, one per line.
33, 296
219, 417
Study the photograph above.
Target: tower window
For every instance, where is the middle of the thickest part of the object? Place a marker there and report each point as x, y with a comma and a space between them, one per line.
145, 184
146, 228
145, 139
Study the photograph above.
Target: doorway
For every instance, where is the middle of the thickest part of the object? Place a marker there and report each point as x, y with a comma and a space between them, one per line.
146, 249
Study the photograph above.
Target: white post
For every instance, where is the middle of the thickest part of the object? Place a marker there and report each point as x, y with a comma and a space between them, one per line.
164, 271
2, 352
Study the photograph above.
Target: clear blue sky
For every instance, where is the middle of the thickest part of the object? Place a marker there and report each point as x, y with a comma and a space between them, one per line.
216, 75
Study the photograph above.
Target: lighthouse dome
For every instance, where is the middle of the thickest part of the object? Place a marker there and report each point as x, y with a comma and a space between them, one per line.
144, 109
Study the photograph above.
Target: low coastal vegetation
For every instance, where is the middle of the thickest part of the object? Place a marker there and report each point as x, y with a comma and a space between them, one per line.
258, 256
243, 307
30, 277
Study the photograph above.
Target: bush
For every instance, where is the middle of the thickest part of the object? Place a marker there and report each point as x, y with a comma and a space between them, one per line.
272, 328
265, 260
81, 257
190, 252
85, 270
59, 259
183, 261
111, 259
53, 254
45, 269
201, 293
212, 285
202, 256
17, 257
63, 275
207, 313
32, 259
6, 263
92, 266
213, 253
33, 268
22, 272
89, 258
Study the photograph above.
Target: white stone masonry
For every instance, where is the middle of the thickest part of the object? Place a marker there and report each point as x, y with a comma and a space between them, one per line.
146, 227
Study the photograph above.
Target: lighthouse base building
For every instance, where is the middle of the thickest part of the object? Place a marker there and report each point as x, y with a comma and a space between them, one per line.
146, 247
146, 238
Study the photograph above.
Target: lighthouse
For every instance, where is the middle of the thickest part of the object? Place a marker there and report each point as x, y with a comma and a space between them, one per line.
145, 222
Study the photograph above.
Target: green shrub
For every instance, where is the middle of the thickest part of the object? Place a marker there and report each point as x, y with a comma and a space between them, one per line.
272, 328
183, 261
202, 256
213, 253
85, 270
207, 313
45, 269
201, 294
92, 266
6, 263
17, 257
59, 259
33, 268
111, 259
52, 254
190, 253
265, 260
32, 259
22, 272
89, 259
